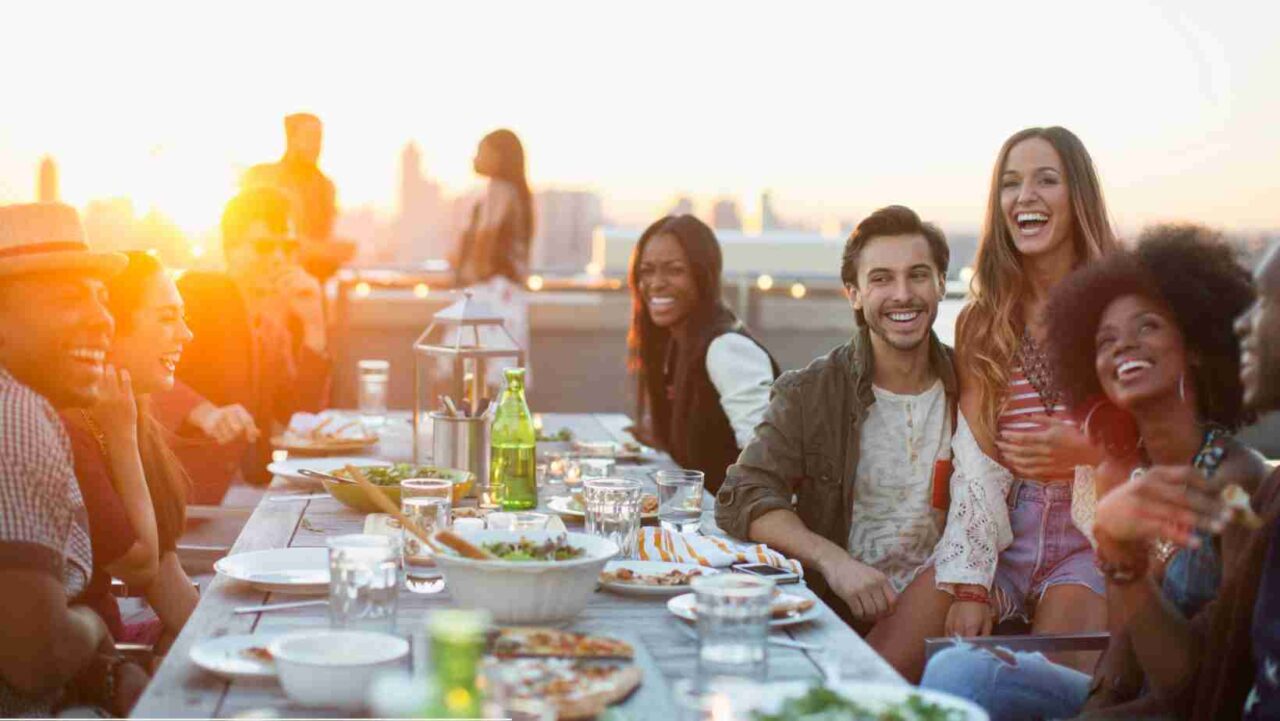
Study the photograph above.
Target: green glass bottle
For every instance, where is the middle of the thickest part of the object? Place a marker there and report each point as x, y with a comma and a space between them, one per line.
513, 474
456, 641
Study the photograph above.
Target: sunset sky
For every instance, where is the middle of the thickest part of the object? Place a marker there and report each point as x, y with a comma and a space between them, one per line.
838, 108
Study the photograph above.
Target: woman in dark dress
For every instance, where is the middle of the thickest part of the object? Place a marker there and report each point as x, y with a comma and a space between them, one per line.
702, 381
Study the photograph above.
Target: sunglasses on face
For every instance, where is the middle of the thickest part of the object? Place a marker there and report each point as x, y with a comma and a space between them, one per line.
269, 246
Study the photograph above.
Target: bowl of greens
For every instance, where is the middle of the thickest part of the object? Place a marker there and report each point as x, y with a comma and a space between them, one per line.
844, 701
387, 479
525, 576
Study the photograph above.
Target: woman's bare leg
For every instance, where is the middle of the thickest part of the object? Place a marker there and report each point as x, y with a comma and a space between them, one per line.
921, 612
1071, 608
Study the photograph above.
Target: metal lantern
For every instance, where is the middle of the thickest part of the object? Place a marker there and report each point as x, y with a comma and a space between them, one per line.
464, 337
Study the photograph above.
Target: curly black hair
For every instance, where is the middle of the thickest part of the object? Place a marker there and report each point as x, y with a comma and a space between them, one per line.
1187, 268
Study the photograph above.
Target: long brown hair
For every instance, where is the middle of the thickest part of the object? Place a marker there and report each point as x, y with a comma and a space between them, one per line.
511, 168
167, 480
647, 342
990, 326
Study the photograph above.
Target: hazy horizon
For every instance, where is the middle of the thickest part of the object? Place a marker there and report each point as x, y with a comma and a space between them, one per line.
837, 109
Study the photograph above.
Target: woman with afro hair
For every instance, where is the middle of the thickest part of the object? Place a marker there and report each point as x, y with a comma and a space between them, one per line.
1142, 342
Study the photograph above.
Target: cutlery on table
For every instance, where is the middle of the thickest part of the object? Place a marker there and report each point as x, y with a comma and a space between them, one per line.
775, 640
319, 476
299, 497
281, 606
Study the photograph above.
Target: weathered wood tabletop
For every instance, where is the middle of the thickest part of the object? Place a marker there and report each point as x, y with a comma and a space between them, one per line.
668, 652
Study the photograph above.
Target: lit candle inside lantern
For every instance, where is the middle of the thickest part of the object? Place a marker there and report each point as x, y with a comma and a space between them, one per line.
537, 421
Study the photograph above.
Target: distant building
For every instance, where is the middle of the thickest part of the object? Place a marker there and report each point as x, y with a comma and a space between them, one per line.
111, 224
422, 224
565, 223
683, 206
768, 218
47, 182
725, 215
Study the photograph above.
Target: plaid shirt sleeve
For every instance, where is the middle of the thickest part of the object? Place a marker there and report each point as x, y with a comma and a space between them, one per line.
36, 512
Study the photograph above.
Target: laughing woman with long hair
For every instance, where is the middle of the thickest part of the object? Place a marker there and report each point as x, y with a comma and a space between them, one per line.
1012, 548
702, 381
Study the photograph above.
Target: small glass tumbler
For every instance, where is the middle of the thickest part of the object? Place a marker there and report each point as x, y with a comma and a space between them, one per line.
364, 582
589, 468
525, 521
372, 377
733, 625
429, 503
612, 510
680, 500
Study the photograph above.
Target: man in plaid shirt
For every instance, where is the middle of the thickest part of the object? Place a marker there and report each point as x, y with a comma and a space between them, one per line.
54, 336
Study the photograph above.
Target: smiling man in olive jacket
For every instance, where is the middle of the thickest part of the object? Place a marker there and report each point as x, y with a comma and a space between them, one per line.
840, 473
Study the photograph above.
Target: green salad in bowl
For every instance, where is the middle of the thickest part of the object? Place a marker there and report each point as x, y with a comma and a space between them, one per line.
388, 478
551, 549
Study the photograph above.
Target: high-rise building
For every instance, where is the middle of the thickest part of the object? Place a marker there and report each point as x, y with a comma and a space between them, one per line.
47, 182
421, 226
768, 218
725, 215
683, 206
566, 221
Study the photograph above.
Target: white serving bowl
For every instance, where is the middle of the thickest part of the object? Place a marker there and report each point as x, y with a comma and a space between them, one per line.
334, 668
527, 591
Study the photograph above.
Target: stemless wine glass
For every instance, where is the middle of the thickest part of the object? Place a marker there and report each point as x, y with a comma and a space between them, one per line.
612, 510
363, 582
429, 503
679, 499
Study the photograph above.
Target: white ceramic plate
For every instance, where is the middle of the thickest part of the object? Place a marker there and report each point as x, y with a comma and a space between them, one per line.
564, 506
651, 568
767, 698
280, 570
682, 606
327, 464
225, 656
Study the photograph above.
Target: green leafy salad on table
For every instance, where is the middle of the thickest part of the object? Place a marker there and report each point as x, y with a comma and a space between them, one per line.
552, 549
823, 704
392, 475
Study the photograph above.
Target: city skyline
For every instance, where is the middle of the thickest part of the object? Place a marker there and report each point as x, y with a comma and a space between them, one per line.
836, 108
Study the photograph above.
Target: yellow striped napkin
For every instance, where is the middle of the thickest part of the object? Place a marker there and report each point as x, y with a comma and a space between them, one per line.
657, 544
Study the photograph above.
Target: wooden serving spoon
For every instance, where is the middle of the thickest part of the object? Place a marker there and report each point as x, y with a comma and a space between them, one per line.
381, 501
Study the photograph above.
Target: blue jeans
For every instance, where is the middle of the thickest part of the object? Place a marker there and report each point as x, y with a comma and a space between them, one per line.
1031, 687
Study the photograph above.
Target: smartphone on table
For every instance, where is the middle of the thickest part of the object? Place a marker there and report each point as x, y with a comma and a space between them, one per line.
779, 575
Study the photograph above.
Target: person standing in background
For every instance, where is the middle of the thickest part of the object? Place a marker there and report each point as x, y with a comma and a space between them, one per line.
312, 197
492, 257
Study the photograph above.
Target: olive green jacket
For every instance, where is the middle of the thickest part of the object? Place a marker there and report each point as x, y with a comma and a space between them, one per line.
804, 456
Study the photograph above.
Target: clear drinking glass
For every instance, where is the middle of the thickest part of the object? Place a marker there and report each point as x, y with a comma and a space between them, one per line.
612, 509
364, 582
372, 377
429, 503
527, 521
589, 468
680, 500
733, 625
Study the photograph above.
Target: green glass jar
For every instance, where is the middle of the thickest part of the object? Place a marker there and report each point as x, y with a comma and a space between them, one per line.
513, 474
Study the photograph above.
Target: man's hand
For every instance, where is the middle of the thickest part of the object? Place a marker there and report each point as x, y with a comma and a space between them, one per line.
116, 411
969, 619
224, 424
867, 591
1053, 451
303, 298
1167, 502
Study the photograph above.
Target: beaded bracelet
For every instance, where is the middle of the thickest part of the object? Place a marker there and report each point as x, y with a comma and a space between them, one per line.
981, 596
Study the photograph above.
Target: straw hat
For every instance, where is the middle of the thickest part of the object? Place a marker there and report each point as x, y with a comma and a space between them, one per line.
47, 238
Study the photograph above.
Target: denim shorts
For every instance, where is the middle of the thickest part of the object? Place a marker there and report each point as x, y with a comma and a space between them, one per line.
1029, 687
1047, 550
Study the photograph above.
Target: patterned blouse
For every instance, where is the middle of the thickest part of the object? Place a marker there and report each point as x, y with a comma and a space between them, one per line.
43, 523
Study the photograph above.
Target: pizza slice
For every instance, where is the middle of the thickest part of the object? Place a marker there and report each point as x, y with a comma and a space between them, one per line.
518, 641
577, 689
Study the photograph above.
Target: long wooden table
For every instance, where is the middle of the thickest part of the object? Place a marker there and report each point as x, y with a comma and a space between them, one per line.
666, 650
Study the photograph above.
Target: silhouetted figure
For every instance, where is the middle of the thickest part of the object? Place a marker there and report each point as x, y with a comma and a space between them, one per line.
311, 194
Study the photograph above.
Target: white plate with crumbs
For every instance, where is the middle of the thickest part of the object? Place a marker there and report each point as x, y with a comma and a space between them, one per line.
236, 656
